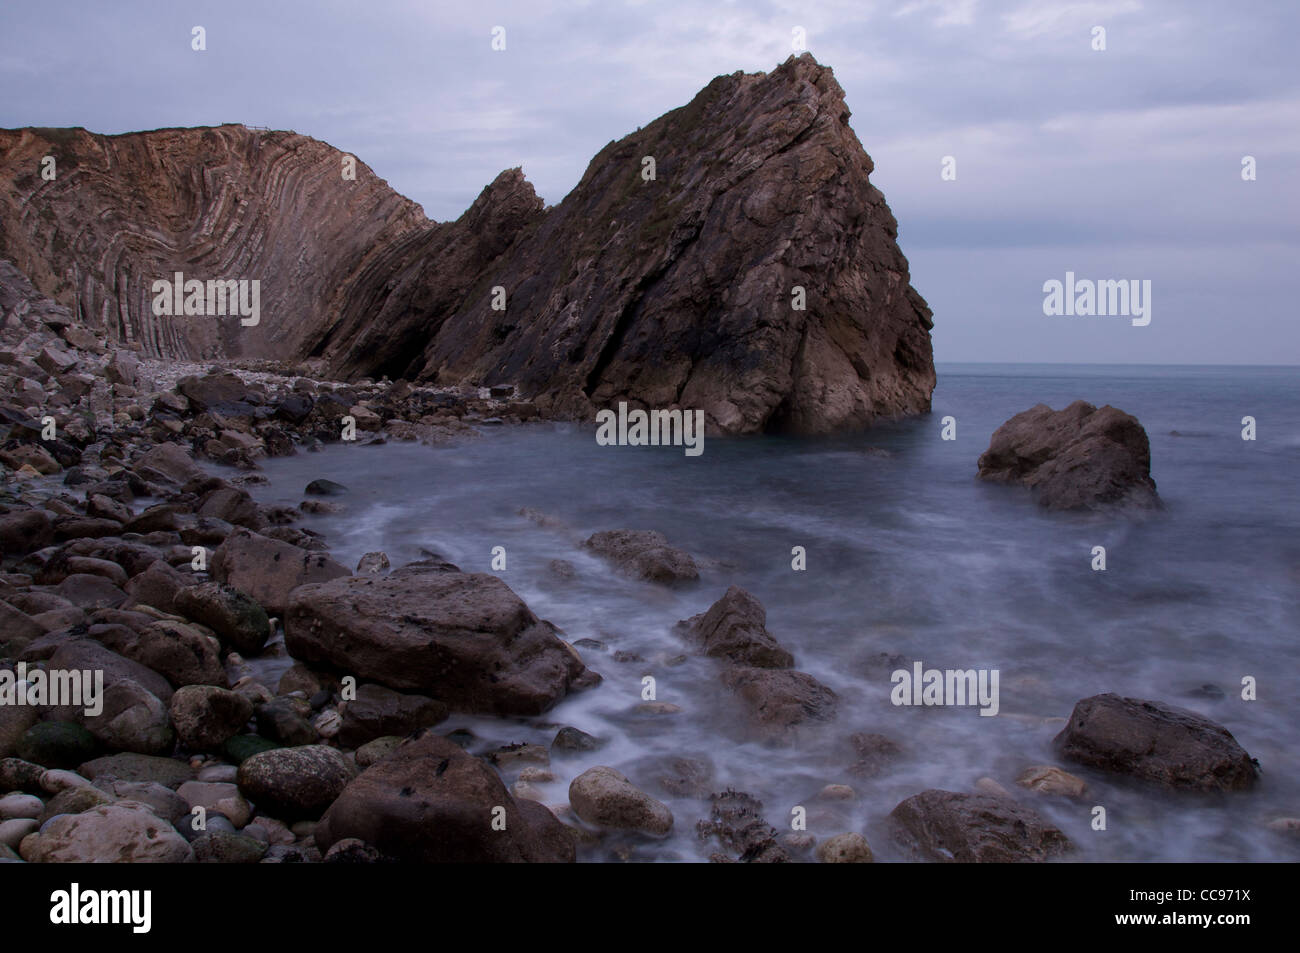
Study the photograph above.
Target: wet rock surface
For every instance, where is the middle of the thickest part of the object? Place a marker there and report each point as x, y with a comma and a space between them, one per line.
948, 827
1155, 742
1077, 458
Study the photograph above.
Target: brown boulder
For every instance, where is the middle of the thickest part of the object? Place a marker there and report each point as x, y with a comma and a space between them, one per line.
431, 802
644, 554
780, 700
463, 638
735, 629
173, 649
378, 711
1155, 742
268, 570
25, 531
947, 827
1075, 458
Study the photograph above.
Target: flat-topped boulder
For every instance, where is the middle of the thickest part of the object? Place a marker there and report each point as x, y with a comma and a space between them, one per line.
463, 638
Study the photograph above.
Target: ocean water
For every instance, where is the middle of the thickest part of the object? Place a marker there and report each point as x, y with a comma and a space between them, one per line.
909, 557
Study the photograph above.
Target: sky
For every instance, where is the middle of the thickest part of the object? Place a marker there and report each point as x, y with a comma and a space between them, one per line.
1122, 163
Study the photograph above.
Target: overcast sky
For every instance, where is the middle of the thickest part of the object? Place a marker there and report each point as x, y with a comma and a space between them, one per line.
1122, 163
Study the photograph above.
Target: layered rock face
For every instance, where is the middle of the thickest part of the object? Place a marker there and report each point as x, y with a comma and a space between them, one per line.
679, 290
212, 203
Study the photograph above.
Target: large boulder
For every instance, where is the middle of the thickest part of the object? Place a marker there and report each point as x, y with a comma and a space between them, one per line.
1170, 746
109, 834
238, 621
212, 389
25, 531
947, 827
180, 653
294, 783
432, 802
1079, 457
463, 638
78, 654
268, 570
172, 461
132, 719
644, 554
206, 717
735, 629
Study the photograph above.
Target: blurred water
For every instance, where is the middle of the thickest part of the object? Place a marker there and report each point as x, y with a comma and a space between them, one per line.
907, 554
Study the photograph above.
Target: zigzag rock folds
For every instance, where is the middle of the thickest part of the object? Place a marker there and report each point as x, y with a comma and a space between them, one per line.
677, 291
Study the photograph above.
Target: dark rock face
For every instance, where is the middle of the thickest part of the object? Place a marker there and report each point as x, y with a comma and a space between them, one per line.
462, 638
431, 802
947, 827
1075, 458
735, 628
379, 711
1155, 742
678, 291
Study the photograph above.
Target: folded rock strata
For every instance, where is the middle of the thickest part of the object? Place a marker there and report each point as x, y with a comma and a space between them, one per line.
682, 290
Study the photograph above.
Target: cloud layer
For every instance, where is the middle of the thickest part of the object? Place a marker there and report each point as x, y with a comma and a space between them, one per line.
1122, 163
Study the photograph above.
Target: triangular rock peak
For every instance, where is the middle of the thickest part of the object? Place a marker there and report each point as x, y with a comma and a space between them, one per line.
732, 256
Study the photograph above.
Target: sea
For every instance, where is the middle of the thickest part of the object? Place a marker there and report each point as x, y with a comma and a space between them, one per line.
875, 551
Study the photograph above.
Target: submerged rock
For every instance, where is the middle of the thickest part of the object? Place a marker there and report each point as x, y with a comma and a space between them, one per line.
780, 700
947, 826
644, 554
1075, 458
1155, 742
736, 820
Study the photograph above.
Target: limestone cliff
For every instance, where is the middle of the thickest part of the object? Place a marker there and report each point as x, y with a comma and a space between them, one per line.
679, 290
